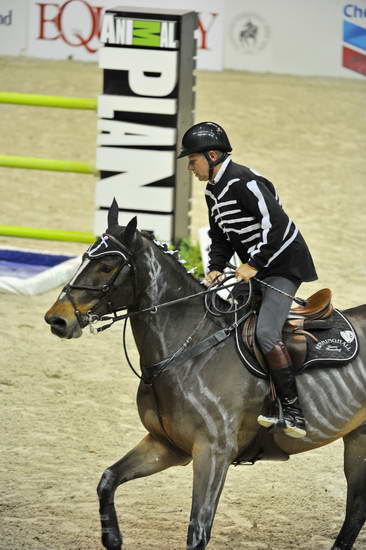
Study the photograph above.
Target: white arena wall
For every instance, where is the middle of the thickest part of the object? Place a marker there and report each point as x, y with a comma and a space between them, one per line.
300, 37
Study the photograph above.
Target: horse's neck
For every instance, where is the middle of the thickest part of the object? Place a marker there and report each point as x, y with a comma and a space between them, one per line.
160, 280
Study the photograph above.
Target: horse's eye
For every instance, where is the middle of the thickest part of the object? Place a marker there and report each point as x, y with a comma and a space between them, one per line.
105, 268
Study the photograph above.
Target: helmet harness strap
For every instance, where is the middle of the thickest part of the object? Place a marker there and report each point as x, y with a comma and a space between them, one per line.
213, 163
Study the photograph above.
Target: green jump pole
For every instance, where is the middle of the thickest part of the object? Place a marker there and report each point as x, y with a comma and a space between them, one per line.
31, 163
46, 234
87, 103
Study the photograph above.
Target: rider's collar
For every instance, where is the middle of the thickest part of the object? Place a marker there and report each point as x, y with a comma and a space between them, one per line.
220, 172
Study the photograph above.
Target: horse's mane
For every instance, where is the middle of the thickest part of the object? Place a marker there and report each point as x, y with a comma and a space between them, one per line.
173, 254
174, 257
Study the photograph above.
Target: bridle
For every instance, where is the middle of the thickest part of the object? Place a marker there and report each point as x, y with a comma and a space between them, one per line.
108, 287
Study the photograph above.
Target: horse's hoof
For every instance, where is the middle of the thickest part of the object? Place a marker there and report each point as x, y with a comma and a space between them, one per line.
112, 543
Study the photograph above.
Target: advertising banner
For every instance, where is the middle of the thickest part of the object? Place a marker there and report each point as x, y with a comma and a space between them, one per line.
303, 37
62, 29
13, 26
148, 60
354, 37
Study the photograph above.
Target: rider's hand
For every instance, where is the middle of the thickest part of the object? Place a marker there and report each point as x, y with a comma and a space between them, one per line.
245, 272
211, 277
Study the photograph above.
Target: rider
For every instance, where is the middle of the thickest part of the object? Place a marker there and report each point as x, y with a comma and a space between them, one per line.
246, 217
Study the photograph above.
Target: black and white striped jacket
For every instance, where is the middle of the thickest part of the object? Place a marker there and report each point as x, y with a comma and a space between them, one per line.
246, 217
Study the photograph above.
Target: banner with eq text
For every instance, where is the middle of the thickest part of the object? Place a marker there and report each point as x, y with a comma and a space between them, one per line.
299, 37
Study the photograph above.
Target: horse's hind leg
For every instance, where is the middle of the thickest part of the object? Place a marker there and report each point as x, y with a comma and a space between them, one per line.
355, 471
148, 457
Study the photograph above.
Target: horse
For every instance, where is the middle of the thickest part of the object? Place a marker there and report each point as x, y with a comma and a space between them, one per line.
203, 407
248, 34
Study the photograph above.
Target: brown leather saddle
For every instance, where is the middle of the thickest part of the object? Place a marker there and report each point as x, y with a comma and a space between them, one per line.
302, 330
303, 321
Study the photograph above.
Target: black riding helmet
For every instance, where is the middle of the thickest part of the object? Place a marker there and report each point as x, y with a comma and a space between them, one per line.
204, 137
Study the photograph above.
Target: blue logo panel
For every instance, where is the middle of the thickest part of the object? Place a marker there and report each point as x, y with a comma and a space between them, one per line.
354, 35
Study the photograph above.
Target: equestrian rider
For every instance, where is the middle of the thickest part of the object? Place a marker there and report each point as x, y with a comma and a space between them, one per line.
246, 217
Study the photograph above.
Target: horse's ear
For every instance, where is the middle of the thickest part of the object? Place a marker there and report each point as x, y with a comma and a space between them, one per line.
113, 214
130, 231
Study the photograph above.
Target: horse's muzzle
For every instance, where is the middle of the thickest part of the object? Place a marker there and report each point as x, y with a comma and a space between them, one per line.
62, 328
63, 321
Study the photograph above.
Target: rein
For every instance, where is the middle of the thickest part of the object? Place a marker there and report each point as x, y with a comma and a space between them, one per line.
184, 352
154, 309
92, 317
187, 352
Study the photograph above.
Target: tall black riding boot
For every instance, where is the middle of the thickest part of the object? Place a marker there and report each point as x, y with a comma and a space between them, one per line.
279, 363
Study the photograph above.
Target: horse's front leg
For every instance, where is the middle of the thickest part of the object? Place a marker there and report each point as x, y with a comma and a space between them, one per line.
148, 457
210, 465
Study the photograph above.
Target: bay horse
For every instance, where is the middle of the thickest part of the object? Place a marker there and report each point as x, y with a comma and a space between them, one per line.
203, 409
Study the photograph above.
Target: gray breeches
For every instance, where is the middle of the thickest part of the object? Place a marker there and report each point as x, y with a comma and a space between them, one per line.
273, 311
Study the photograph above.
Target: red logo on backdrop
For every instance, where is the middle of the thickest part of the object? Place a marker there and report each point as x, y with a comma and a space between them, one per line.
205, 30
52, 24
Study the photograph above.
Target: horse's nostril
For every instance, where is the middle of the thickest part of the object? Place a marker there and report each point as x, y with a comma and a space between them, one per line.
57, 322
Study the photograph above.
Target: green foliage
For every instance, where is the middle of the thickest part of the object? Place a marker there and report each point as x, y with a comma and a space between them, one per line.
192, 255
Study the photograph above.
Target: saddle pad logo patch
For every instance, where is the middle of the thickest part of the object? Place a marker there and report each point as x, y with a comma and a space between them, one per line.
337, 344
347, 335
332, 344
332, 347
